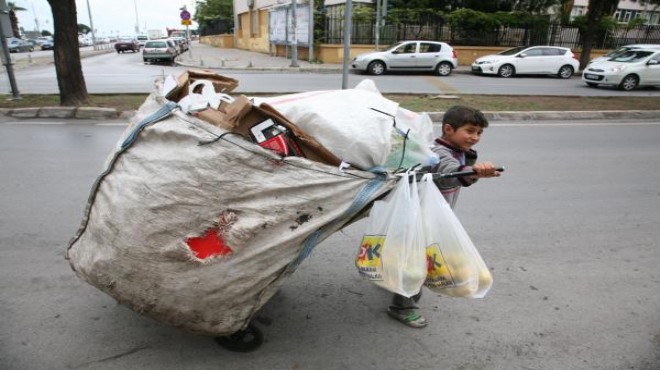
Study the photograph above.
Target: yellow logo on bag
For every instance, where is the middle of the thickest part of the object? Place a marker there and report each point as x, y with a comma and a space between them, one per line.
437, 272
368, 259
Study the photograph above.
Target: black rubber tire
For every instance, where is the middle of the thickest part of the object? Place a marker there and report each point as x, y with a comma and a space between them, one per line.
506, 71
376, 68
443, 69
630, 82
564, 72
246, 340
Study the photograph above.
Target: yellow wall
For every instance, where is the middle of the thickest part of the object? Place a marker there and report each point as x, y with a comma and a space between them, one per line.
219, 41
254, 42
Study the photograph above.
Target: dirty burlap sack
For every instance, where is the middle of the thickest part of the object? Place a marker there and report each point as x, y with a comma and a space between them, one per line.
196, 227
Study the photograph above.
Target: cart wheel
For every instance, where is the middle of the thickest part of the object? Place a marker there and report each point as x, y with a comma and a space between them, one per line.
242, 341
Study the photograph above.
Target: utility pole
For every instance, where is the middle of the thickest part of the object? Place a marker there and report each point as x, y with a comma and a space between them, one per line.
294, 38
348, 24
5, 32
137, 22
378, 10
91, 25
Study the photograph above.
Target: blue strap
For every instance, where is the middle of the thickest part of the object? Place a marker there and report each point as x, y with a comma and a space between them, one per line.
164, 112
364, 197
161, 113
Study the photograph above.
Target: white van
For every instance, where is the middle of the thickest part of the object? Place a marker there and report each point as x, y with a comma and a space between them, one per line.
142, 39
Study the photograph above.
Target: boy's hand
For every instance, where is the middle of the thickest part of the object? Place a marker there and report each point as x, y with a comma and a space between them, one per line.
485, 169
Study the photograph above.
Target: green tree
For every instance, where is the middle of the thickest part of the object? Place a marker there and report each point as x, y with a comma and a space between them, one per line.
70, 79
596, 13
208, 13
534, 6
13, 19
84, 29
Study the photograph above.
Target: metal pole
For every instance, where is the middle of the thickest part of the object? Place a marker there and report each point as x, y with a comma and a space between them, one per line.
91, 25
378, 10
310, 42
348, 14
137, 22
294, 38
4, 17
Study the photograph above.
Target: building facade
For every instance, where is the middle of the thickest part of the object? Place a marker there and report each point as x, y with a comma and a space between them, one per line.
626, 11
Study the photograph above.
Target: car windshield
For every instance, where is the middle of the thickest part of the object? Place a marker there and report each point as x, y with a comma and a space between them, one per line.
513, 51
617, 52
632, 56
159, 44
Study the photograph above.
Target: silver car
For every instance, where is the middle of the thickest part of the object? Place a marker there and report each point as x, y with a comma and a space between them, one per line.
623, 49
633, 68
159, 50
430, 56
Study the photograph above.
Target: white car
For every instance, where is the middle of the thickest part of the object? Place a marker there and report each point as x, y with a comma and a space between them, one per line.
438, 57
539, 60
640, 67
623, 49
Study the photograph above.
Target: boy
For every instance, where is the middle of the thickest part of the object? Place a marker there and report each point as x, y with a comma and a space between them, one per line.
461, 130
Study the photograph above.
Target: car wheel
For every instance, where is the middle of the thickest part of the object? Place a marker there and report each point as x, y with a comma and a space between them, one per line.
565, 71
506, 70
591, 84
629, 82
376, 68
443, 69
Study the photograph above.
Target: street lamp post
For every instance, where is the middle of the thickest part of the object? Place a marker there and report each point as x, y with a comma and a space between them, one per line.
91, 25
294, 38
137, 22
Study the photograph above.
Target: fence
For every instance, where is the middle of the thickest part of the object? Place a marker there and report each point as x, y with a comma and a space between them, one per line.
364, 32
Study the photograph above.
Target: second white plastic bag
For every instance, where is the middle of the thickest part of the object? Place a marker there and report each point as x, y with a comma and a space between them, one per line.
455, 267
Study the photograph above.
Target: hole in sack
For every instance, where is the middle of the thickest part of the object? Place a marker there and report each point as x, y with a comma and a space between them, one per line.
209, 245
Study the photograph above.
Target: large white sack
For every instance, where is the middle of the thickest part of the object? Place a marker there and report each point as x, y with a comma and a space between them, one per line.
354, 124
164, 187
360, 126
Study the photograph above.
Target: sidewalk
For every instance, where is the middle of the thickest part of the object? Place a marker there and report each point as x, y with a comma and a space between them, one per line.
205, 56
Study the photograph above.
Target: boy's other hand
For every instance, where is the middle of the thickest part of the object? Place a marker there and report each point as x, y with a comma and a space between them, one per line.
485, 169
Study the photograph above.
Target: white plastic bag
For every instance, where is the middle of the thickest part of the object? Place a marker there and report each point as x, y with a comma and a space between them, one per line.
392, 251
194, 102
454, 266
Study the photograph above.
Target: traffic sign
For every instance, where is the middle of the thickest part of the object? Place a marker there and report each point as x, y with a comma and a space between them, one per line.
185, 15
186, 22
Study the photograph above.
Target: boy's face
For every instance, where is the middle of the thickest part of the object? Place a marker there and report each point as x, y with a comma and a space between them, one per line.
464, 138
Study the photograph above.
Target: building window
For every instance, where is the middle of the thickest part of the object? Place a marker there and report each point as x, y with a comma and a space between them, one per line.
254, 23
626, 16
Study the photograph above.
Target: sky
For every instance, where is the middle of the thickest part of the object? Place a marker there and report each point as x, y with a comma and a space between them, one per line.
110, 17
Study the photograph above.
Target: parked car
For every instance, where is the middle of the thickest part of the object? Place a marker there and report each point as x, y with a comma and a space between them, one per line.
538, 60
15, 45
42, 39
47, 45
623, 49
126, 44
182, 42
438, 57
159, 50
142, 39
640, 67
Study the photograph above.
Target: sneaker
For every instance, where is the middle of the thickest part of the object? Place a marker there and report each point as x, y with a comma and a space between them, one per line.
408, 316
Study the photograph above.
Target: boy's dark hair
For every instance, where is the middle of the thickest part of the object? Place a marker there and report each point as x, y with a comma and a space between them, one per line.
460, 115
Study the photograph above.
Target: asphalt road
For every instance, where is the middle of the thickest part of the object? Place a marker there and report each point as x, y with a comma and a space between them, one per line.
570, 232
